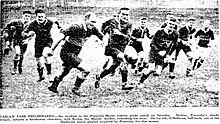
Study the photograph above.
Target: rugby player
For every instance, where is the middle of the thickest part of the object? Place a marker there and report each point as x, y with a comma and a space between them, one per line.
138, 35
78, 34
160, 49
41, 27
119, 37
14, 30
185, 42
204, 38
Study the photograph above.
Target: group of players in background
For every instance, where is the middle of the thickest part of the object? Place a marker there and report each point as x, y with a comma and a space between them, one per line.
164, 46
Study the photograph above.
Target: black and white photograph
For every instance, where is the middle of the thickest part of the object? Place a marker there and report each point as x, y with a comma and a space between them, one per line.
109, 61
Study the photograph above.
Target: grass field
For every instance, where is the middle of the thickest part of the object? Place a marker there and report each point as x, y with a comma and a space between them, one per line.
22, 91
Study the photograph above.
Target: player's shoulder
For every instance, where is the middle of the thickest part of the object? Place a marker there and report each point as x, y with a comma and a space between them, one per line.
14, 21
130, 24
110, 21
49, 21
33, 21
183, 27
163, 25
175, 33
52, 19
199, 31
161, 30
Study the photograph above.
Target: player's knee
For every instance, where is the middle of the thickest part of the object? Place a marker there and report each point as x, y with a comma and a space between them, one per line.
109, 63
83, 74
190, 54
171, 60
124, 70
39, 61
141, 54
49, 59
17, 49
150, 67
46, 51
159, 69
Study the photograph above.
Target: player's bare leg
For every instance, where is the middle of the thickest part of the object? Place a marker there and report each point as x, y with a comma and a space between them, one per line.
146, 73
16, 59
57, 79
40, 69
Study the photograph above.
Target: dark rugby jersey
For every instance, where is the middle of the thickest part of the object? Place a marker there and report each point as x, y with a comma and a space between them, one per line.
162, 40
186, 33
204, 37
78, 32
42, 31
140, 32
119, 40
15, 28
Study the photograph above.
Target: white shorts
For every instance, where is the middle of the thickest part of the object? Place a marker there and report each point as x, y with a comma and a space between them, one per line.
202, 52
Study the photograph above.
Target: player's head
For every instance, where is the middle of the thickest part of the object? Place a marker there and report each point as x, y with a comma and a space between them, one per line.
206, 23
40, 15
124, 14
143, 21
27, 15
171, 24
90, 19
191, 21
169, 16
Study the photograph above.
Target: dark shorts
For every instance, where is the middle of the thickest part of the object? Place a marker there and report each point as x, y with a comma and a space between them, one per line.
154, 57
39, 51
184, 47
69, 54
114, 50
39, 47
137, 46
23, 48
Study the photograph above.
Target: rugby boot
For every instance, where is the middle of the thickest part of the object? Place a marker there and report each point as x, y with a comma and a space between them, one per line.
14, 71
97, 82
76, 88
40, 72
188, 73
172, 75
20, 70
54, 85
126, 86
140, 85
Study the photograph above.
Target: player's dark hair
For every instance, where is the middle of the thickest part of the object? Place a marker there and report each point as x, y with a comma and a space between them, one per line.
27, 12
123, 8
39, 11
173, 19
143, 18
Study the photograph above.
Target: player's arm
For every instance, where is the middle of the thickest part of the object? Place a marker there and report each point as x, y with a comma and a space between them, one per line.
7, 28
172, 46
156, 41
98, 33
133, 37
63, 34
148, 33
197, 38
58, 24
212, 38
28, 31
183, 34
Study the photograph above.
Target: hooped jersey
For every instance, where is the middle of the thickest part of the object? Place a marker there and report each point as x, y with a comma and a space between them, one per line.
204, 37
